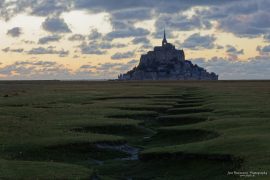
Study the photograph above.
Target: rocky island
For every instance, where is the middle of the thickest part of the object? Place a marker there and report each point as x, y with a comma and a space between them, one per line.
167, 63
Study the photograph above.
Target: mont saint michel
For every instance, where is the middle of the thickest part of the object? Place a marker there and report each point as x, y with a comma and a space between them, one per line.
167, 63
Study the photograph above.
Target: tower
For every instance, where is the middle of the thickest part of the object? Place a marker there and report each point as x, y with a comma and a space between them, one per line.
164, 41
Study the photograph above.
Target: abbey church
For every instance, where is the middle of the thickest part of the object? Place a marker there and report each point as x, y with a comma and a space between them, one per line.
166, 63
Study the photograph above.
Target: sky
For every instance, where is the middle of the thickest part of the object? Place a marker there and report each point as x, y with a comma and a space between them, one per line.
99, 39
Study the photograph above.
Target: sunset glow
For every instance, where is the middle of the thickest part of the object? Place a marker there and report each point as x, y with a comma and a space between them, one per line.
98, 40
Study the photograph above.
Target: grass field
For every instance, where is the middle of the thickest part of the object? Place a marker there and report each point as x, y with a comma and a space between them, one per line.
134, 130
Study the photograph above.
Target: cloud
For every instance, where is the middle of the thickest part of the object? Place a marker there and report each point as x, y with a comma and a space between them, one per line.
77, 37
167, 13
28, 42
35, 70
232, 50
244, 18
125, 33
133, 14
87, 66
48, 50
76, 56
159, 5
113, 68
47, 39
109, 45
50, 7
14, 32
181, 22
48, 70
197, 41
103, 70
107, 66
94, 35
124, 55
265, 50
254, 68
248, 25
160, 32
236, 8
219, 46
138, 9
144, 48
267, 37
140, 40
91, 49
8, 49
55, 25
233, 53
133, 62
44, 8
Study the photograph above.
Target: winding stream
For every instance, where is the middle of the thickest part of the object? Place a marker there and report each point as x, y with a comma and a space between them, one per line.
125, 148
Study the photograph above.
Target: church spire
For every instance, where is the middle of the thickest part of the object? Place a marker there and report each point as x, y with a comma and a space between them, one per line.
164, 34
164, 41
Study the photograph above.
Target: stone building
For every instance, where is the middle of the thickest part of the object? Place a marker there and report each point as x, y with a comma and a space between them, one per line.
166, 63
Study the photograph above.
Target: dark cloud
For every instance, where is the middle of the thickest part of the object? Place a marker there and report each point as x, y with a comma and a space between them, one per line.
50, 7
158, 5
8, 49
133, 14
94, 35
48, 50
233, 53
181, 22
77, 37
232, 50
265, 50
267, 37
243, 18
99, 48
124, 55
10, 9
198, 41
112, 5
120, 25
107, 66
254, 68
124, 13
55, 25
47, 39
131, 32
112, 69
140, 40
14, 32
109, 45
250, 25
91, 49
231, 9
